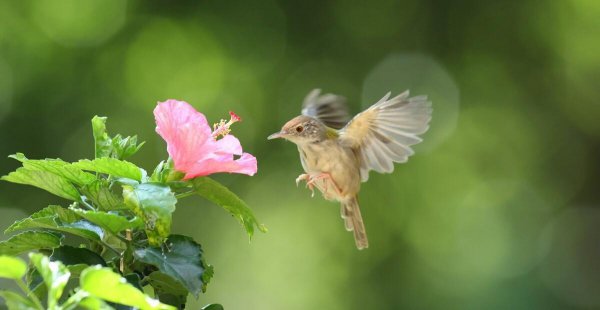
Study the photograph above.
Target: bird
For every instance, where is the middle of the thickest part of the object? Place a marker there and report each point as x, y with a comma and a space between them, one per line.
337, 153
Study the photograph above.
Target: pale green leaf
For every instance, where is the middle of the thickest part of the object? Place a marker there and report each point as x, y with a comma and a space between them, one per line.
125, 147
90, 303
48, 181
114, 223
59, 219
57, 167
222, 196
103, 283
55, 276
213, 307
102, 143
154, 203
101, 196
180, 258
111, 166
12, 267
28, 241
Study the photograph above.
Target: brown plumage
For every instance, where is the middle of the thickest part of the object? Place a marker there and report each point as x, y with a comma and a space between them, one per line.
336, 161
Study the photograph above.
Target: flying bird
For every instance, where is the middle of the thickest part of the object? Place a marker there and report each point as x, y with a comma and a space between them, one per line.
337, 153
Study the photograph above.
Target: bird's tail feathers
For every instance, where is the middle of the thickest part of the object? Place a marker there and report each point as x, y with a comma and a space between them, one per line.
353, 221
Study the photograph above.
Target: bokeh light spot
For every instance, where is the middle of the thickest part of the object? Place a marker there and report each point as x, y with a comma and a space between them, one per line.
169, 60
572, 267
79, 23
252, 33
422, 75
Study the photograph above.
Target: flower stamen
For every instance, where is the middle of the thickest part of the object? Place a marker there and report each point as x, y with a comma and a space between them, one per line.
221, 129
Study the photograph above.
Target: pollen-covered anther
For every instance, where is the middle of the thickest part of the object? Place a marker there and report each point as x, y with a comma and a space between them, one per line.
222, 128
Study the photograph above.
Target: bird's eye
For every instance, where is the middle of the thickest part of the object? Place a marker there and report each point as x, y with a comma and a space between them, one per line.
299, 129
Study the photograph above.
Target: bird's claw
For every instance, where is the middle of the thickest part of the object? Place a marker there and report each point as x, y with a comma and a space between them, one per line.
302, 177
309, 182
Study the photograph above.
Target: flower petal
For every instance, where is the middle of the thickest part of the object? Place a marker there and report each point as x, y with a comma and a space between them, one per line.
229, 144
184, 129
246, 164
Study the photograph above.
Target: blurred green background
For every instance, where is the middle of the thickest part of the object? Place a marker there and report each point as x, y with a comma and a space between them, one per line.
498, 209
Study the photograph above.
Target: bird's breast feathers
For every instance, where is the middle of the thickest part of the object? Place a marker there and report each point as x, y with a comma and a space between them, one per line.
330, 157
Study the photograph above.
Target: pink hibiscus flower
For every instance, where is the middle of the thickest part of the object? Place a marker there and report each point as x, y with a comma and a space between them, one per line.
194, 148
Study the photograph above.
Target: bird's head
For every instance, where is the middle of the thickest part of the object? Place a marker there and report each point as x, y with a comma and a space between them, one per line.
301, 129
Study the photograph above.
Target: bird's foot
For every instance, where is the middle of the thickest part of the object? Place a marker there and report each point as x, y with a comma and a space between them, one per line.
309, 184
302, 177
325, 177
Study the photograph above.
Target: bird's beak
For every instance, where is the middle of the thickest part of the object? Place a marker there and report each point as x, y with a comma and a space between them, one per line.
276, 135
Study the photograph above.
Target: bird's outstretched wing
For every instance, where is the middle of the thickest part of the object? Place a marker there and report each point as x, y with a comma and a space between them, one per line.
383, 134
329, 108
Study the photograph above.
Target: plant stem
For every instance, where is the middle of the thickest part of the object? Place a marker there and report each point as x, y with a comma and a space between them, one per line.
108, 246
186, 194
29, 293
128, 237
87, 205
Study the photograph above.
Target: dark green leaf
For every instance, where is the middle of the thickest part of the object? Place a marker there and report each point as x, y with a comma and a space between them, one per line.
213, 307
154, 203
59, 219
28, 241
50, 182
134, 279
76, 269
103, 145
57, 167
105, 284
55, 276
69, 255
12, 267
180, 257
15, 301
167, 289
111, 166
101, 196
114, 223
222, 196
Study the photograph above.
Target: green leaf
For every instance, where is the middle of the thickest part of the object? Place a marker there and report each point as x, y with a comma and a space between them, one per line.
57, 167
93, 303
111, 166
180, 257
125, 147
15, 301
213, 307
101, 196
160, 172
69, 255
28, 241
50, 182
59, 219
55, 276
12, 267
154, 203
222, 196
167, 289
113, 223
103, 283
102, 143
